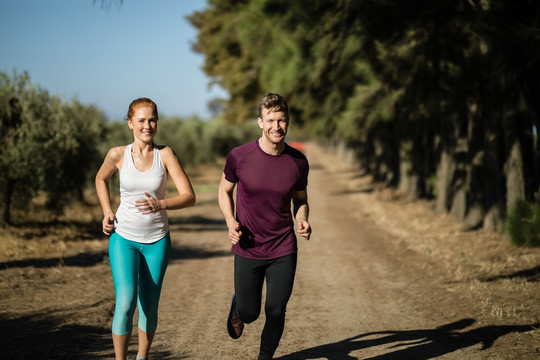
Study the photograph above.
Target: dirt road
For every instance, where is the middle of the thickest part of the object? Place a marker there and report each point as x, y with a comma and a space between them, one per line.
380, 279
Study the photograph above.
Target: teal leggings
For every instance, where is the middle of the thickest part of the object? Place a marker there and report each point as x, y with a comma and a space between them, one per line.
138, 268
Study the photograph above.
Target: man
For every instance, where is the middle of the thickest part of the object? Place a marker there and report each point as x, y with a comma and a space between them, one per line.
269, 174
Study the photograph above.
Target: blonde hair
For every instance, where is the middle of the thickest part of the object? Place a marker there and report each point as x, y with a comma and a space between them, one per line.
273, 102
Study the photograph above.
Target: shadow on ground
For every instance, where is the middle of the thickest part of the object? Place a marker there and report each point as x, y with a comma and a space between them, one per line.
82, 260
187, 252
196, 223
46, 336
532, 275
92, 259
81, 230
420, 344
184, 224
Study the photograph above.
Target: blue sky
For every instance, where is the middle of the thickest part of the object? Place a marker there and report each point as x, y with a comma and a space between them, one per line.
109, 56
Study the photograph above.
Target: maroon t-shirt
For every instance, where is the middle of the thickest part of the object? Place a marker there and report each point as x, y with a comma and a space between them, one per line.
265, 185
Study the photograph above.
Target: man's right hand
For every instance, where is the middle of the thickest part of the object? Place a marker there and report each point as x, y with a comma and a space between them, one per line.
234, 232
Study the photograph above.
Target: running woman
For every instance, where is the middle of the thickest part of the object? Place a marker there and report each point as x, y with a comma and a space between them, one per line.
268, 175
140, 243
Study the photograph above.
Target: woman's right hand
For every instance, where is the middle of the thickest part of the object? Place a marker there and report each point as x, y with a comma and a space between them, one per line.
108, 224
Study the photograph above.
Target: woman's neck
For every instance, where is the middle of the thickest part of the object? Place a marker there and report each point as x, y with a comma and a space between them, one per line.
141, 147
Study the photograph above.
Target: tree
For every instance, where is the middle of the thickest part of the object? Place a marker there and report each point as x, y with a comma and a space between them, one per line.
49, 146
437, 98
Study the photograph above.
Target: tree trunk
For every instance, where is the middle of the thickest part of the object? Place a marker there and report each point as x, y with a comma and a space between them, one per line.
515, 181
476, 193
8, 195
458, 184
445, 172
494, 181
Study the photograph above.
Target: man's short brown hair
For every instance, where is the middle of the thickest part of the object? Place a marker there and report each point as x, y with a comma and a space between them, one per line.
273, 103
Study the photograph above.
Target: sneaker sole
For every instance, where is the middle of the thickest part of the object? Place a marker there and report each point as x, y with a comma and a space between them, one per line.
230, 329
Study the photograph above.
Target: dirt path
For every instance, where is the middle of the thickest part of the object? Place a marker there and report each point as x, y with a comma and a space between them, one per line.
379, 280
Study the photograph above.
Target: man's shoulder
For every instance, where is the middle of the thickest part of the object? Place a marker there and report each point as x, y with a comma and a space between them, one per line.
244, 149
296, 154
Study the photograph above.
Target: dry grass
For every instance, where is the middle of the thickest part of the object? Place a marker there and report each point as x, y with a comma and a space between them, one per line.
38, 232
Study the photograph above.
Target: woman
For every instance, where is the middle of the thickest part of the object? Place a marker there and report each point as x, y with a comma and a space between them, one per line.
139, 245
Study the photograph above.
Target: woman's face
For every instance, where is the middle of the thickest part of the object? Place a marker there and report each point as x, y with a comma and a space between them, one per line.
143, 123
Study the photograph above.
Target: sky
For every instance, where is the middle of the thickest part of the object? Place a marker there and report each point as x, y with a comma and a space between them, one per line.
108, 56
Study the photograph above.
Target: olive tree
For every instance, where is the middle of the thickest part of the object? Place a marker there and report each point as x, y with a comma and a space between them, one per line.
49, 146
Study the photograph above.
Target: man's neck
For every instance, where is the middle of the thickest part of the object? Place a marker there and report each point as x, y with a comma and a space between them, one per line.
271, 148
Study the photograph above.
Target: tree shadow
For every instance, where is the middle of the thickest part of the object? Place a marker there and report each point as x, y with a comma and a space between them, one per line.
196, 223
46, 336
162, 355
191, 252
420, 344
368, 190
82, 230
531, 275
81, 260
92, 259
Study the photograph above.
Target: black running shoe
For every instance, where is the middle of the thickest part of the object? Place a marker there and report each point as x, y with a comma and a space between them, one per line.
235, 326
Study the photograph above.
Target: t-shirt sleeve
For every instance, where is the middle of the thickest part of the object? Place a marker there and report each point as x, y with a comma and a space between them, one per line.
301, 184
230, 168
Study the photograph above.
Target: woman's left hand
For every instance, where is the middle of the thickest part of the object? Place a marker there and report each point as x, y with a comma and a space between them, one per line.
149, 205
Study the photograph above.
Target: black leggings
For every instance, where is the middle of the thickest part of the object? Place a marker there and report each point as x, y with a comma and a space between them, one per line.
249, 275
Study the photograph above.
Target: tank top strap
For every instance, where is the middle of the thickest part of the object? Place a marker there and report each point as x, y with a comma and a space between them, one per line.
157, 156
128, 160
158, 161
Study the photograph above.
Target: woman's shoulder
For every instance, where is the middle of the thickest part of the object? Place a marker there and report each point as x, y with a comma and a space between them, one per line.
166, 153
117, 152
164, 150
161, 147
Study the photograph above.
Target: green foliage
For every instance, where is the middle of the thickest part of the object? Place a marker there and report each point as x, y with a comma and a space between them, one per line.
115, 133
194, 140
49, 146
449, 77
188, 137
523, 224
309, 51
185, 137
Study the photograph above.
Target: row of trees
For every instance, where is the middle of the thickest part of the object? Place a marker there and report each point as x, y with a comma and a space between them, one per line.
53, 148
48, 145
436, 98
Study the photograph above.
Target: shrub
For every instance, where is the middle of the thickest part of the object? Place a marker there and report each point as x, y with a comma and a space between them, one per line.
48, 146
523, 224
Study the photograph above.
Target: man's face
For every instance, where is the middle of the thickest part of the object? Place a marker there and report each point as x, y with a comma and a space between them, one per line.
274, 125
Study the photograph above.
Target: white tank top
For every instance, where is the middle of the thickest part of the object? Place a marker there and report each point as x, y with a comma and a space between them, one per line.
132, 224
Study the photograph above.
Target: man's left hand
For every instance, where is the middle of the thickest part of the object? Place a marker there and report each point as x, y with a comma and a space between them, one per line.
304, 229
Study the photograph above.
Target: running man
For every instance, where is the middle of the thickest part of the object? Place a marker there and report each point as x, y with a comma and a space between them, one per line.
269, 174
